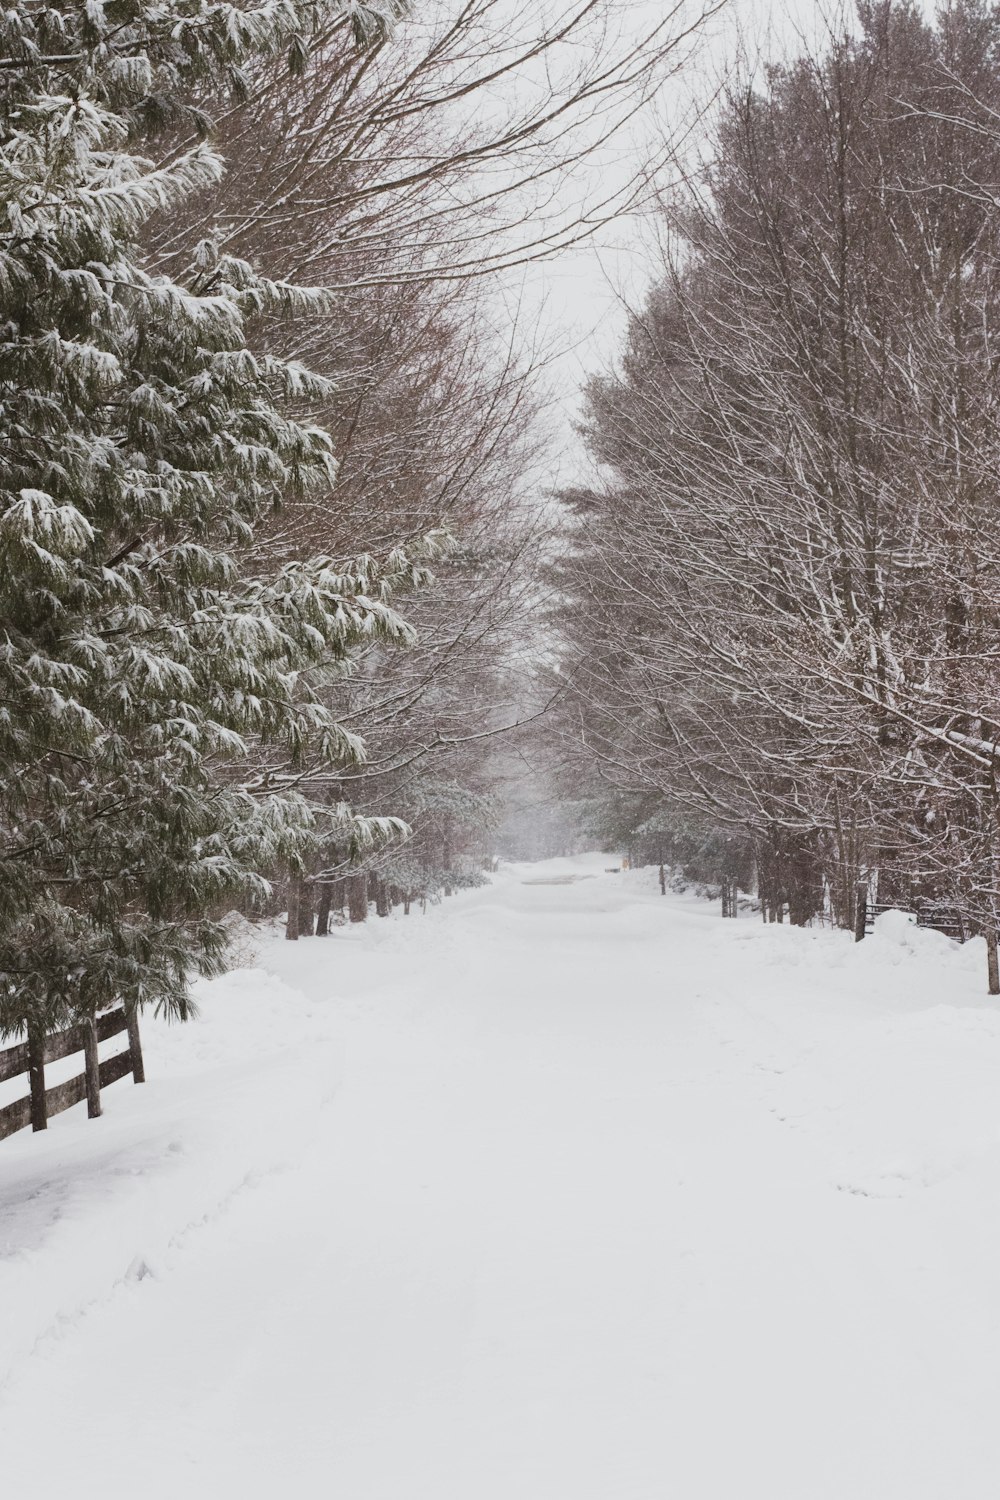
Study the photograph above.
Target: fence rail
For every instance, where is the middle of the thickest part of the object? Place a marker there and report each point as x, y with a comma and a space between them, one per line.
32, 1056
934, 917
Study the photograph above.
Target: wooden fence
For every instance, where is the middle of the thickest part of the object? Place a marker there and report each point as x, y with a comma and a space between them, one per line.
32, 1056
938, 918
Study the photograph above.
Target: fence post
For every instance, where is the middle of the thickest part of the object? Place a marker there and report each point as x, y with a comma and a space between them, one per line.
134, 1045
36, 1079
91, 1068
860, 913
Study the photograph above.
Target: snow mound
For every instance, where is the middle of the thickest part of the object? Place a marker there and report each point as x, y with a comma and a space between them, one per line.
896, 927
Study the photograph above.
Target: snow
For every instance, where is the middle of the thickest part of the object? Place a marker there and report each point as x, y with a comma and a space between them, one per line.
565, 1191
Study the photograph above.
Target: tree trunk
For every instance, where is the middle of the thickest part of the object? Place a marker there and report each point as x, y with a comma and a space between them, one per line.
323, 909
294, 896
306, 915
860, 913
446, 861
357, 898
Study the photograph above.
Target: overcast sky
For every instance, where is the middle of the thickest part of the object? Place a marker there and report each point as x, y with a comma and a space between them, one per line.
584, 293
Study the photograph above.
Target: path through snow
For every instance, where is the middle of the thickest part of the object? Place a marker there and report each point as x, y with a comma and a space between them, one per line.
564, 1192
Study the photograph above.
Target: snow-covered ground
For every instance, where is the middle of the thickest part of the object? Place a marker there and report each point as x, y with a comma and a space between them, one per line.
565, 1191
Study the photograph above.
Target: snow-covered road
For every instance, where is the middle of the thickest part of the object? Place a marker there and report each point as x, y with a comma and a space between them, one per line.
563, 1192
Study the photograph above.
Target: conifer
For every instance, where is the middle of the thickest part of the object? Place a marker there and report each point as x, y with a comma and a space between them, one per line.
141, 438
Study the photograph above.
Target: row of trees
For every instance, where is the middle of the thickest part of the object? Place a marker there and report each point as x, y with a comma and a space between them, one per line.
431, 168
252, 390
780, 600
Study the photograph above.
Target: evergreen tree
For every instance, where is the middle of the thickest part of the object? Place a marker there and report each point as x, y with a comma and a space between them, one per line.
140, 440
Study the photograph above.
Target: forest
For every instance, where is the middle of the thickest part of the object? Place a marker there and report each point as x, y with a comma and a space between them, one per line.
289, 594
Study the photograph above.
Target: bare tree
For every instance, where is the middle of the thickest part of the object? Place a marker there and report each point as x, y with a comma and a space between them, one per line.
796, 595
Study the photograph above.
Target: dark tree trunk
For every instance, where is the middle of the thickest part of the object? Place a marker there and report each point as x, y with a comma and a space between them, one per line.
860, 913
306, 916
446, 861
357, 898
294, 897
323, 909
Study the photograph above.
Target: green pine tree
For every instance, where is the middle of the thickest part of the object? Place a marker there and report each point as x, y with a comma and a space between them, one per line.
140, 440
